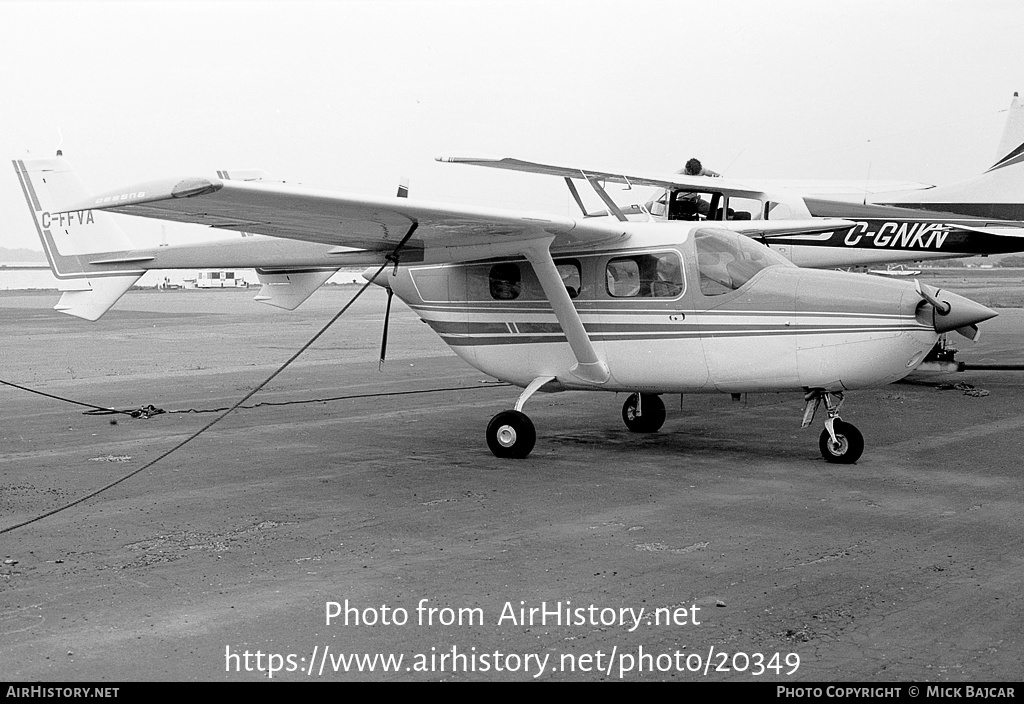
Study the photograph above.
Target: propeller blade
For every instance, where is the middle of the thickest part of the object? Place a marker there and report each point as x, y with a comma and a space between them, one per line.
384, 336
930, 294
971, 332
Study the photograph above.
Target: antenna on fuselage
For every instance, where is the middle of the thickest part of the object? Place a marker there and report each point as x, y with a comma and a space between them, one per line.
867, 183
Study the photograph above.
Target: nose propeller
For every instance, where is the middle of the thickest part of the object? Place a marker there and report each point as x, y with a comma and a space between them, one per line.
948, 311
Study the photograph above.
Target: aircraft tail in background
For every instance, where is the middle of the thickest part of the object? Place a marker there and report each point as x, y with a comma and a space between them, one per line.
1013, 133
998, 193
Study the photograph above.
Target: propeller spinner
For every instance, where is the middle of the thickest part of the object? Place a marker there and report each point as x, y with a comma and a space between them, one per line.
949, 311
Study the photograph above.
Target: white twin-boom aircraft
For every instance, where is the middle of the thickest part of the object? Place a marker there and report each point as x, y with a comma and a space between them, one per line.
646, 306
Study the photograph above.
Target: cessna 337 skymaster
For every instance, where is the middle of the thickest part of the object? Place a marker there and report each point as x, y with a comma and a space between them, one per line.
553, 303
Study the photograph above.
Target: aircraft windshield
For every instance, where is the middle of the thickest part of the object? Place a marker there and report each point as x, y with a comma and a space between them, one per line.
726, 261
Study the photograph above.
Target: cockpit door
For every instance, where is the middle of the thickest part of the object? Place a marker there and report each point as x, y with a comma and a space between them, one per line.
652, 342
744, 311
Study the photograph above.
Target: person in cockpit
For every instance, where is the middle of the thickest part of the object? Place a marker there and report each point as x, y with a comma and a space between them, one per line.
687, 205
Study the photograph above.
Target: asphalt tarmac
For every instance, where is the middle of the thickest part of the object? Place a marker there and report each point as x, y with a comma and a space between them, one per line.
722, 548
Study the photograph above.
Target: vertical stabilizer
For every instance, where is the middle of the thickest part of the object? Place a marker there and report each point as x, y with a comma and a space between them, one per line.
80, 245
997, 194
1012, 143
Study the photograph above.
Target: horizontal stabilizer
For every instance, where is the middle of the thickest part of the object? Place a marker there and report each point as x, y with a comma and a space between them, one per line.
91, 298
289, 288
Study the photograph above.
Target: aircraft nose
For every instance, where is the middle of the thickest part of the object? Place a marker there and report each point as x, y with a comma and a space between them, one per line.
947, 311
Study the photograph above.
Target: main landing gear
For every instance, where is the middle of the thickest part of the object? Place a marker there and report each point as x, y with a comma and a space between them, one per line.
511, 434
839, 442
643, 413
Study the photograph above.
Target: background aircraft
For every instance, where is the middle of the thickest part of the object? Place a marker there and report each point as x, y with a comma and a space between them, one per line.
871, 234
553, 303
980, 215
891, 221
994, 194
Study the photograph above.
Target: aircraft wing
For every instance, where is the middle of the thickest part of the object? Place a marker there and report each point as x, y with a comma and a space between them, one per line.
359, 221
726, 186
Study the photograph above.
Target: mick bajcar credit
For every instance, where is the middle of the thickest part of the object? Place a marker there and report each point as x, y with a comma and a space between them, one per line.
930, 691
608, 660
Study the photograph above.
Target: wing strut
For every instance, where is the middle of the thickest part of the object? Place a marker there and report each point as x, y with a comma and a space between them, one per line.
576, 197
589, 366
613, 208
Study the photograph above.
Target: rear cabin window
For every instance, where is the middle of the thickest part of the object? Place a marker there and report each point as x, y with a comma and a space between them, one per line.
505, 281
645, 276
777, 211
743, 209
509, 281
570, 275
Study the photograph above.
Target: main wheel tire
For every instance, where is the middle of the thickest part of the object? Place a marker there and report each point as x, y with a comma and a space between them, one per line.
849, 448
511, 434
651, 417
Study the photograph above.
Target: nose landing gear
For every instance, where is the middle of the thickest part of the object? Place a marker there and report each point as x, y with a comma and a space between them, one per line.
847, 445
839, 442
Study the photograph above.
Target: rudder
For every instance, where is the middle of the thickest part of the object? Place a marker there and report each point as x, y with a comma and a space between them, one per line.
90, 284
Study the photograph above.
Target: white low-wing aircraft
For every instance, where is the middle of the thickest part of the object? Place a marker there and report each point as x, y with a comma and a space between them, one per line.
553, 303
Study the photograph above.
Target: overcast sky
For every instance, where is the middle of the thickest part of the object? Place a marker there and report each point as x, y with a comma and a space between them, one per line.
353, 95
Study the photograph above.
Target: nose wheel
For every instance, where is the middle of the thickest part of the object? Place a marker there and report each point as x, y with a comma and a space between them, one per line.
839, 442
847, 446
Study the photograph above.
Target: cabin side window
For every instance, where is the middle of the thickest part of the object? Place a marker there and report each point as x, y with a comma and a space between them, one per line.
688, 205
743, 209
777, 211
569, 272
680, 204
505, 281
645, 276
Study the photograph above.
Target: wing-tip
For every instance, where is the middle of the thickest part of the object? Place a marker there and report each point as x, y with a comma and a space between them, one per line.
467, 159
